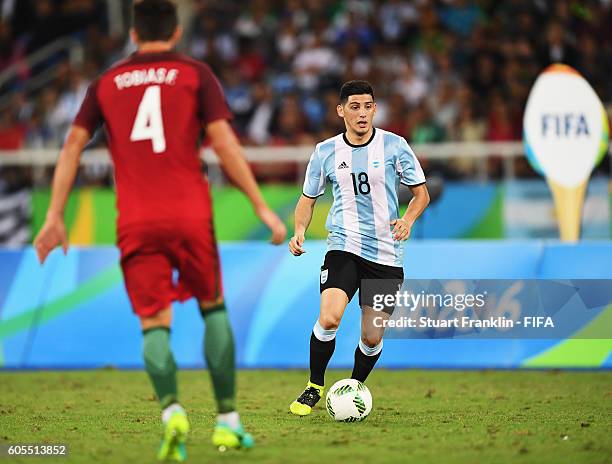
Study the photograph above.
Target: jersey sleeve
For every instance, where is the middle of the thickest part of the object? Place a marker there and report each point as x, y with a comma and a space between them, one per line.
408, 167
90, 114
211, 98
314, 183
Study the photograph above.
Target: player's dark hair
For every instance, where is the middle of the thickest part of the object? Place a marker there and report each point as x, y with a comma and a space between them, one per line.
355, 88
155, 20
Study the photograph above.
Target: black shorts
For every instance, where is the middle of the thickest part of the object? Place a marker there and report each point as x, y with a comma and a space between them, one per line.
348, 272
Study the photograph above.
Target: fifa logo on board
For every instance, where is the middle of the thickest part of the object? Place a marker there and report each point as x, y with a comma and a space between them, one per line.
564, 125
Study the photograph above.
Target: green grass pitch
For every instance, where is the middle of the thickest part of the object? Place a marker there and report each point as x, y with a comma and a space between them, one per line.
418, 416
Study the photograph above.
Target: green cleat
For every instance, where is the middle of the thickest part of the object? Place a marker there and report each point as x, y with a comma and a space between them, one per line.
172, 447
224, 438
311, 395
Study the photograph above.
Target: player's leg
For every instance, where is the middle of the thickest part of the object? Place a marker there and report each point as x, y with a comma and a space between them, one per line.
158, 359
376, 279
200, 275
148, 281
370, 345
322, 345
323, 336
219, 352
161, 367
338, 284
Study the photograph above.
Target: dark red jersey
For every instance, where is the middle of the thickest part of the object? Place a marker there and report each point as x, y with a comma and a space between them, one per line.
153, 107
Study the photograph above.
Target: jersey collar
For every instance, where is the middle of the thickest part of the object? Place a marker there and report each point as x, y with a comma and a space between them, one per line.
144, 57
361, 145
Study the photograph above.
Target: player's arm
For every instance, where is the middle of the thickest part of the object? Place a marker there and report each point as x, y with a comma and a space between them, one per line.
303, 216
53, 231
420, 200
228, 149
411, 174
314, 187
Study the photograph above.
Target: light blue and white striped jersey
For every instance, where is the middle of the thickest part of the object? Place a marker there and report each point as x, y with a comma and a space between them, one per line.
365, 180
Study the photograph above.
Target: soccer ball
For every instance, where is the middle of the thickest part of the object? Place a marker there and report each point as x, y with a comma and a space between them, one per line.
348, 400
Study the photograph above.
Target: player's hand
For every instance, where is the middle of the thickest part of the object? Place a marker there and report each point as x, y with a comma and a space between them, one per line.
401, 229
270, 219
52, 234
295, 245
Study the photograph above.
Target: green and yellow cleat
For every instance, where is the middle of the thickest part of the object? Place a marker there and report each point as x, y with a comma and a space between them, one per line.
311, 395
172, 447
224, 438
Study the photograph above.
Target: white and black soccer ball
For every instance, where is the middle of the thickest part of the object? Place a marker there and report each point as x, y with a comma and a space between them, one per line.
348, 400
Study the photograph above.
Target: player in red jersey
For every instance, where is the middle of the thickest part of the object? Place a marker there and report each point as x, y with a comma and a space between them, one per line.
153, 106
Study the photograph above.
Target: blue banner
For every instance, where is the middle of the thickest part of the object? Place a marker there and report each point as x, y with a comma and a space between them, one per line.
74, 312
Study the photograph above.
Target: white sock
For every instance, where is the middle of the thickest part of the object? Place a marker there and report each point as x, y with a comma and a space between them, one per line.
232, 419
166, 413
325, 335
370, 351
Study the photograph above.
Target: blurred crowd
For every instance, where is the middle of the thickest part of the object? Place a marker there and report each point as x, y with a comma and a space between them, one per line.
455, 70
37, 117
445, 70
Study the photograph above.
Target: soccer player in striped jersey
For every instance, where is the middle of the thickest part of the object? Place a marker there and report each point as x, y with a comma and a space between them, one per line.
364, 166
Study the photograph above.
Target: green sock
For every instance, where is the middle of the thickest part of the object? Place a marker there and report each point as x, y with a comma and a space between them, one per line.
219, 355
160, 365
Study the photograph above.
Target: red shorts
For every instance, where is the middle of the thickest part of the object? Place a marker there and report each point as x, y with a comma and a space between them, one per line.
151, 252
